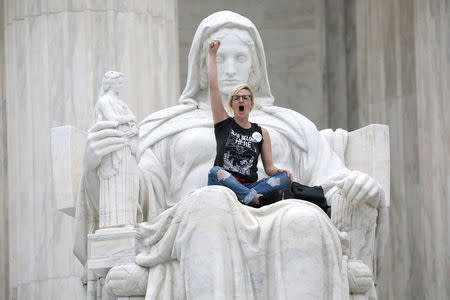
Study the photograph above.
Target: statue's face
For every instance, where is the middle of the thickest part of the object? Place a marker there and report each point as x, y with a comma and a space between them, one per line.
117, 85
233, 63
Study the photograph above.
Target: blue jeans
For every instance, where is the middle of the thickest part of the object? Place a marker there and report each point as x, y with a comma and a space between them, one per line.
246, 192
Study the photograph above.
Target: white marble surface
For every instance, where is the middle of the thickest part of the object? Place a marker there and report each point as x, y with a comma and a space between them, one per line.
111, 247
4, 245
118, 172
66, 161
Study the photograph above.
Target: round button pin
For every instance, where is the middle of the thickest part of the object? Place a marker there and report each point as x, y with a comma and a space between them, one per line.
257, 136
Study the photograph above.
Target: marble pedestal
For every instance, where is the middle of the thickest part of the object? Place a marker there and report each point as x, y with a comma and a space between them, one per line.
111, 247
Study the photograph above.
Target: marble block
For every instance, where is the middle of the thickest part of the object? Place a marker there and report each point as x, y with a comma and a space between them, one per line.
110, 247
67, 145
368, 151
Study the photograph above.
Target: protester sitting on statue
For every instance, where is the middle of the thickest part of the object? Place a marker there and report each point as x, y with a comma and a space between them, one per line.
240, 142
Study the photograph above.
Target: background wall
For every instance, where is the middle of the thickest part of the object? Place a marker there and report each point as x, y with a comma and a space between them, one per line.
3, 168
400, 62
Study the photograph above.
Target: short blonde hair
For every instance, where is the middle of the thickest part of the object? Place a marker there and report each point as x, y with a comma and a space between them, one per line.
237, 89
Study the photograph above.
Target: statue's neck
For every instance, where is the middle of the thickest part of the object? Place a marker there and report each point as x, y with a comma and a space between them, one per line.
112, 94
204, 101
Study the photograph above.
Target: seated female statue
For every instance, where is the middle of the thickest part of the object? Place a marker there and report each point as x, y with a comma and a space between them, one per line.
199, 241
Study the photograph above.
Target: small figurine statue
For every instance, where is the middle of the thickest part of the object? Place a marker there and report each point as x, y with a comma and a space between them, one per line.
118, 172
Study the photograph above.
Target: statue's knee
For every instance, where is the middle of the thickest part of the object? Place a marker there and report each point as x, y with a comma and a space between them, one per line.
209, 204
126, 280
301, 218
212, 198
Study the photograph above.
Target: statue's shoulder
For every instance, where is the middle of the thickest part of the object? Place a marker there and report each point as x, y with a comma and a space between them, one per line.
103, 101
290, 116
167, 113
159, 117
159, 125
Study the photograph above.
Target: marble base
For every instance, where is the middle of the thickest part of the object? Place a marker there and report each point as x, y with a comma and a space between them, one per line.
111, 247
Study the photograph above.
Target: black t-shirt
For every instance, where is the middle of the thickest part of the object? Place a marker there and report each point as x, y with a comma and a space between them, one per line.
238, 149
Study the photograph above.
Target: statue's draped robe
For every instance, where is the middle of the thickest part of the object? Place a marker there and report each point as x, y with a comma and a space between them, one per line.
201, 243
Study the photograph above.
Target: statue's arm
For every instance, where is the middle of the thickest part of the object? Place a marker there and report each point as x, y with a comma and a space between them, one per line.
356, 201
318, 164
103, 139
324, 167
105, 108
354, 198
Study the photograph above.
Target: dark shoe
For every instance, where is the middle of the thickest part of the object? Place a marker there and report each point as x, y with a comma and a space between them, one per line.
269, 198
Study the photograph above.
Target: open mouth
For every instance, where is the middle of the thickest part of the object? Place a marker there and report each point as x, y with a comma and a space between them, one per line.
241, 107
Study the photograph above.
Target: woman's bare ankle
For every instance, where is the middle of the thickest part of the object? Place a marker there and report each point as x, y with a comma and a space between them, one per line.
256, 198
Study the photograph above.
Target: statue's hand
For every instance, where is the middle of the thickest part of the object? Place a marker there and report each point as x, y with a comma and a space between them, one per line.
360, 188
213, 47
126, 119
102, 139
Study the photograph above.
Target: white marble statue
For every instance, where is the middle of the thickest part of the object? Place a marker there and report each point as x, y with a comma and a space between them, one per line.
118, 171
200, 242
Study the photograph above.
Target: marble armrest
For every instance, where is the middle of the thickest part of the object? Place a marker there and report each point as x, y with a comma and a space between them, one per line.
368, 151
67, 145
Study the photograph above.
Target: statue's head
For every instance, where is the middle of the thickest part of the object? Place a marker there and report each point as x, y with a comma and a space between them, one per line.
240, 58
112, 80
237, 60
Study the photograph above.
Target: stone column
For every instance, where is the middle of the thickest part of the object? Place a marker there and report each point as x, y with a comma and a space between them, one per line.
336, 63
397, 70
4, 274
430, 218
56, 54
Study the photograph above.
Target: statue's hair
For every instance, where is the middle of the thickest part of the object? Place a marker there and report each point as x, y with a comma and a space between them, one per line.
245, 37
109, 79
237, 89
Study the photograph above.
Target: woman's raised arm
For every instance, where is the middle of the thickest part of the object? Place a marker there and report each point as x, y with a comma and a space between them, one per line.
218, 111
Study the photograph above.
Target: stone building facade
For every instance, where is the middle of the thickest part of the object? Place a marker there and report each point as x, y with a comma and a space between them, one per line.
340, 63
